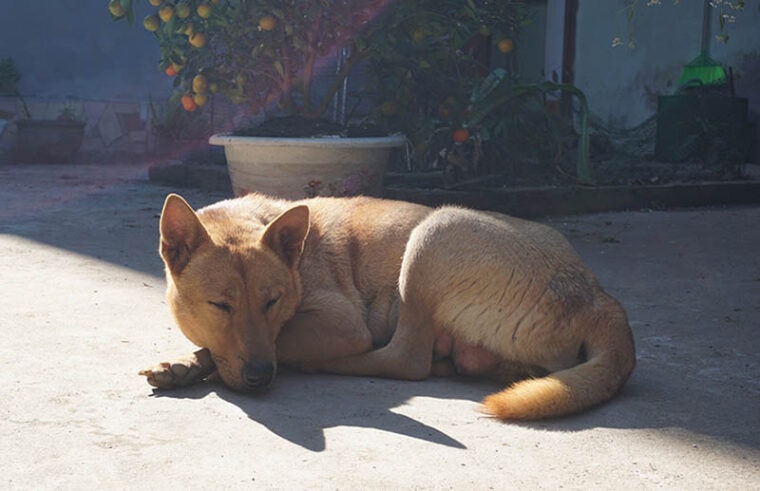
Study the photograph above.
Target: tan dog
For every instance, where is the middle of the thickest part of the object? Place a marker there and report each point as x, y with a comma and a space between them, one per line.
362, 286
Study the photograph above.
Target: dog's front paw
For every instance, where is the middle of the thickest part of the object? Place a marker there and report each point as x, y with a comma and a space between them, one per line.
183, 371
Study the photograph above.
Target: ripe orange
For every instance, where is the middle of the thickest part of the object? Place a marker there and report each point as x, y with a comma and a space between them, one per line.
200, 100
116, 8
505, 45
171, 71
204, 11
267, 23
460, 135
198, 39
200, 84
388, 108
166, 13
155, 3
188, 103
152, 23
183, 10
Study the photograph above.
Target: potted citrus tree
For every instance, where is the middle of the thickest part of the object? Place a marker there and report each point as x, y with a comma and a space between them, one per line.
266, 56
41, 140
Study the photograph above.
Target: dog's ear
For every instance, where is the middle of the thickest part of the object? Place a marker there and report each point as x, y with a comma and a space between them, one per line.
181, 233
287, 233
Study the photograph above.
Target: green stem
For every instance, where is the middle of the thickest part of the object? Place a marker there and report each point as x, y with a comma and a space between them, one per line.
505, 93
27, 113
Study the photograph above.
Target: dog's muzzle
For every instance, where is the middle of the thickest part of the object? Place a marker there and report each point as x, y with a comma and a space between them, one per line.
258, 375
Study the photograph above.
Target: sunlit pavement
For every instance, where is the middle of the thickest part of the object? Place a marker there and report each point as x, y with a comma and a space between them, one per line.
82, 310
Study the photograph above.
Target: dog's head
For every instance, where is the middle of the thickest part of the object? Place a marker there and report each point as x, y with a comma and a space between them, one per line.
232, 283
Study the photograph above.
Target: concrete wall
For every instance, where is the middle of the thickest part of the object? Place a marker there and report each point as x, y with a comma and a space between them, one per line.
71, 55
622, 83
73, 49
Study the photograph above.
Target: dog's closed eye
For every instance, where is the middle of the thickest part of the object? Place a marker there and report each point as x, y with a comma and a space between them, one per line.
270, 303
223, 306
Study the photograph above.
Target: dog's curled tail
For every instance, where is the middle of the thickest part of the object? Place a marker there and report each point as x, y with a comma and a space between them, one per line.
610, 360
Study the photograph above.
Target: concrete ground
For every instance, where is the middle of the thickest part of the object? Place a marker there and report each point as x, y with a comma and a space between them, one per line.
82, 310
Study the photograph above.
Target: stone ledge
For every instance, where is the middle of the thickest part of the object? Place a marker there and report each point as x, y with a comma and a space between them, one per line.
523, 202
569, 200
177, 173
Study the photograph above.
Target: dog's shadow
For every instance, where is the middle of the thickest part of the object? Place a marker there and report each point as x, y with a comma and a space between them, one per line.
300, 407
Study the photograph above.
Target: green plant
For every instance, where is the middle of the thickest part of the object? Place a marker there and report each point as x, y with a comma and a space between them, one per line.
430, 56
9, 80
70, 113
264, 54
170, 122
725, 12
509, 131
489, 118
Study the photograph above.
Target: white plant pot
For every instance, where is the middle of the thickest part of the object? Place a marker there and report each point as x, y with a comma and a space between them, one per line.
296, 168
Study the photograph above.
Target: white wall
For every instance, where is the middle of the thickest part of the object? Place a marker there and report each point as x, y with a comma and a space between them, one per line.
622, 83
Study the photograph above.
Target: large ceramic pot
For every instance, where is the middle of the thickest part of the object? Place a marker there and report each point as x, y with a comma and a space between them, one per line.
45, 140
296, 168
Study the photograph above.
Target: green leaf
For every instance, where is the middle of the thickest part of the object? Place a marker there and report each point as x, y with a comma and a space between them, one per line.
127, 4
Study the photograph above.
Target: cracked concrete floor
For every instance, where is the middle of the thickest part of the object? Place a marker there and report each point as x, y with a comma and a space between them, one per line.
82, 310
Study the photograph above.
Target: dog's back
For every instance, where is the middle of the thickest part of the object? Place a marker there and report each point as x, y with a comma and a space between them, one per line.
517, 289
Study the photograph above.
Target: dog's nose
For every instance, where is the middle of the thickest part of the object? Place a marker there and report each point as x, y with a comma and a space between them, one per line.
257, 375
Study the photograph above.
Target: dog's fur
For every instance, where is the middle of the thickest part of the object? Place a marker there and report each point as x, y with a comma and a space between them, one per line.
363, 286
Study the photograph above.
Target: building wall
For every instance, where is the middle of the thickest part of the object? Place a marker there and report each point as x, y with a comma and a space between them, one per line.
72, 55
73, 49
622, 83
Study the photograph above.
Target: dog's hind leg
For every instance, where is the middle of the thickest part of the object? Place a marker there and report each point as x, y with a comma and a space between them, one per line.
186, 370
408, 355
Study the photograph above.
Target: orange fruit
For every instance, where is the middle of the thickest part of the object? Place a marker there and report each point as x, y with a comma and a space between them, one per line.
188, 103
183, 10
460, 135
177, 66
505, 45
388, 108
171, 71
198, 39
155, 3
267, 23
116, 8
200, 100
152, 23
204, 11
166, 13
200, 84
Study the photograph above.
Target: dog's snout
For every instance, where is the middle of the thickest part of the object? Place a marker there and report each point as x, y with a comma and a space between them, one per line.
258, 375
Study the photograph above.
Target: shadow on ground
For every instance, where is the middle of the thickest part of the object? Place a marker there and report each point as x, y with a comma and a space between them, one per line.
109, 213
112, 215
301, 407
